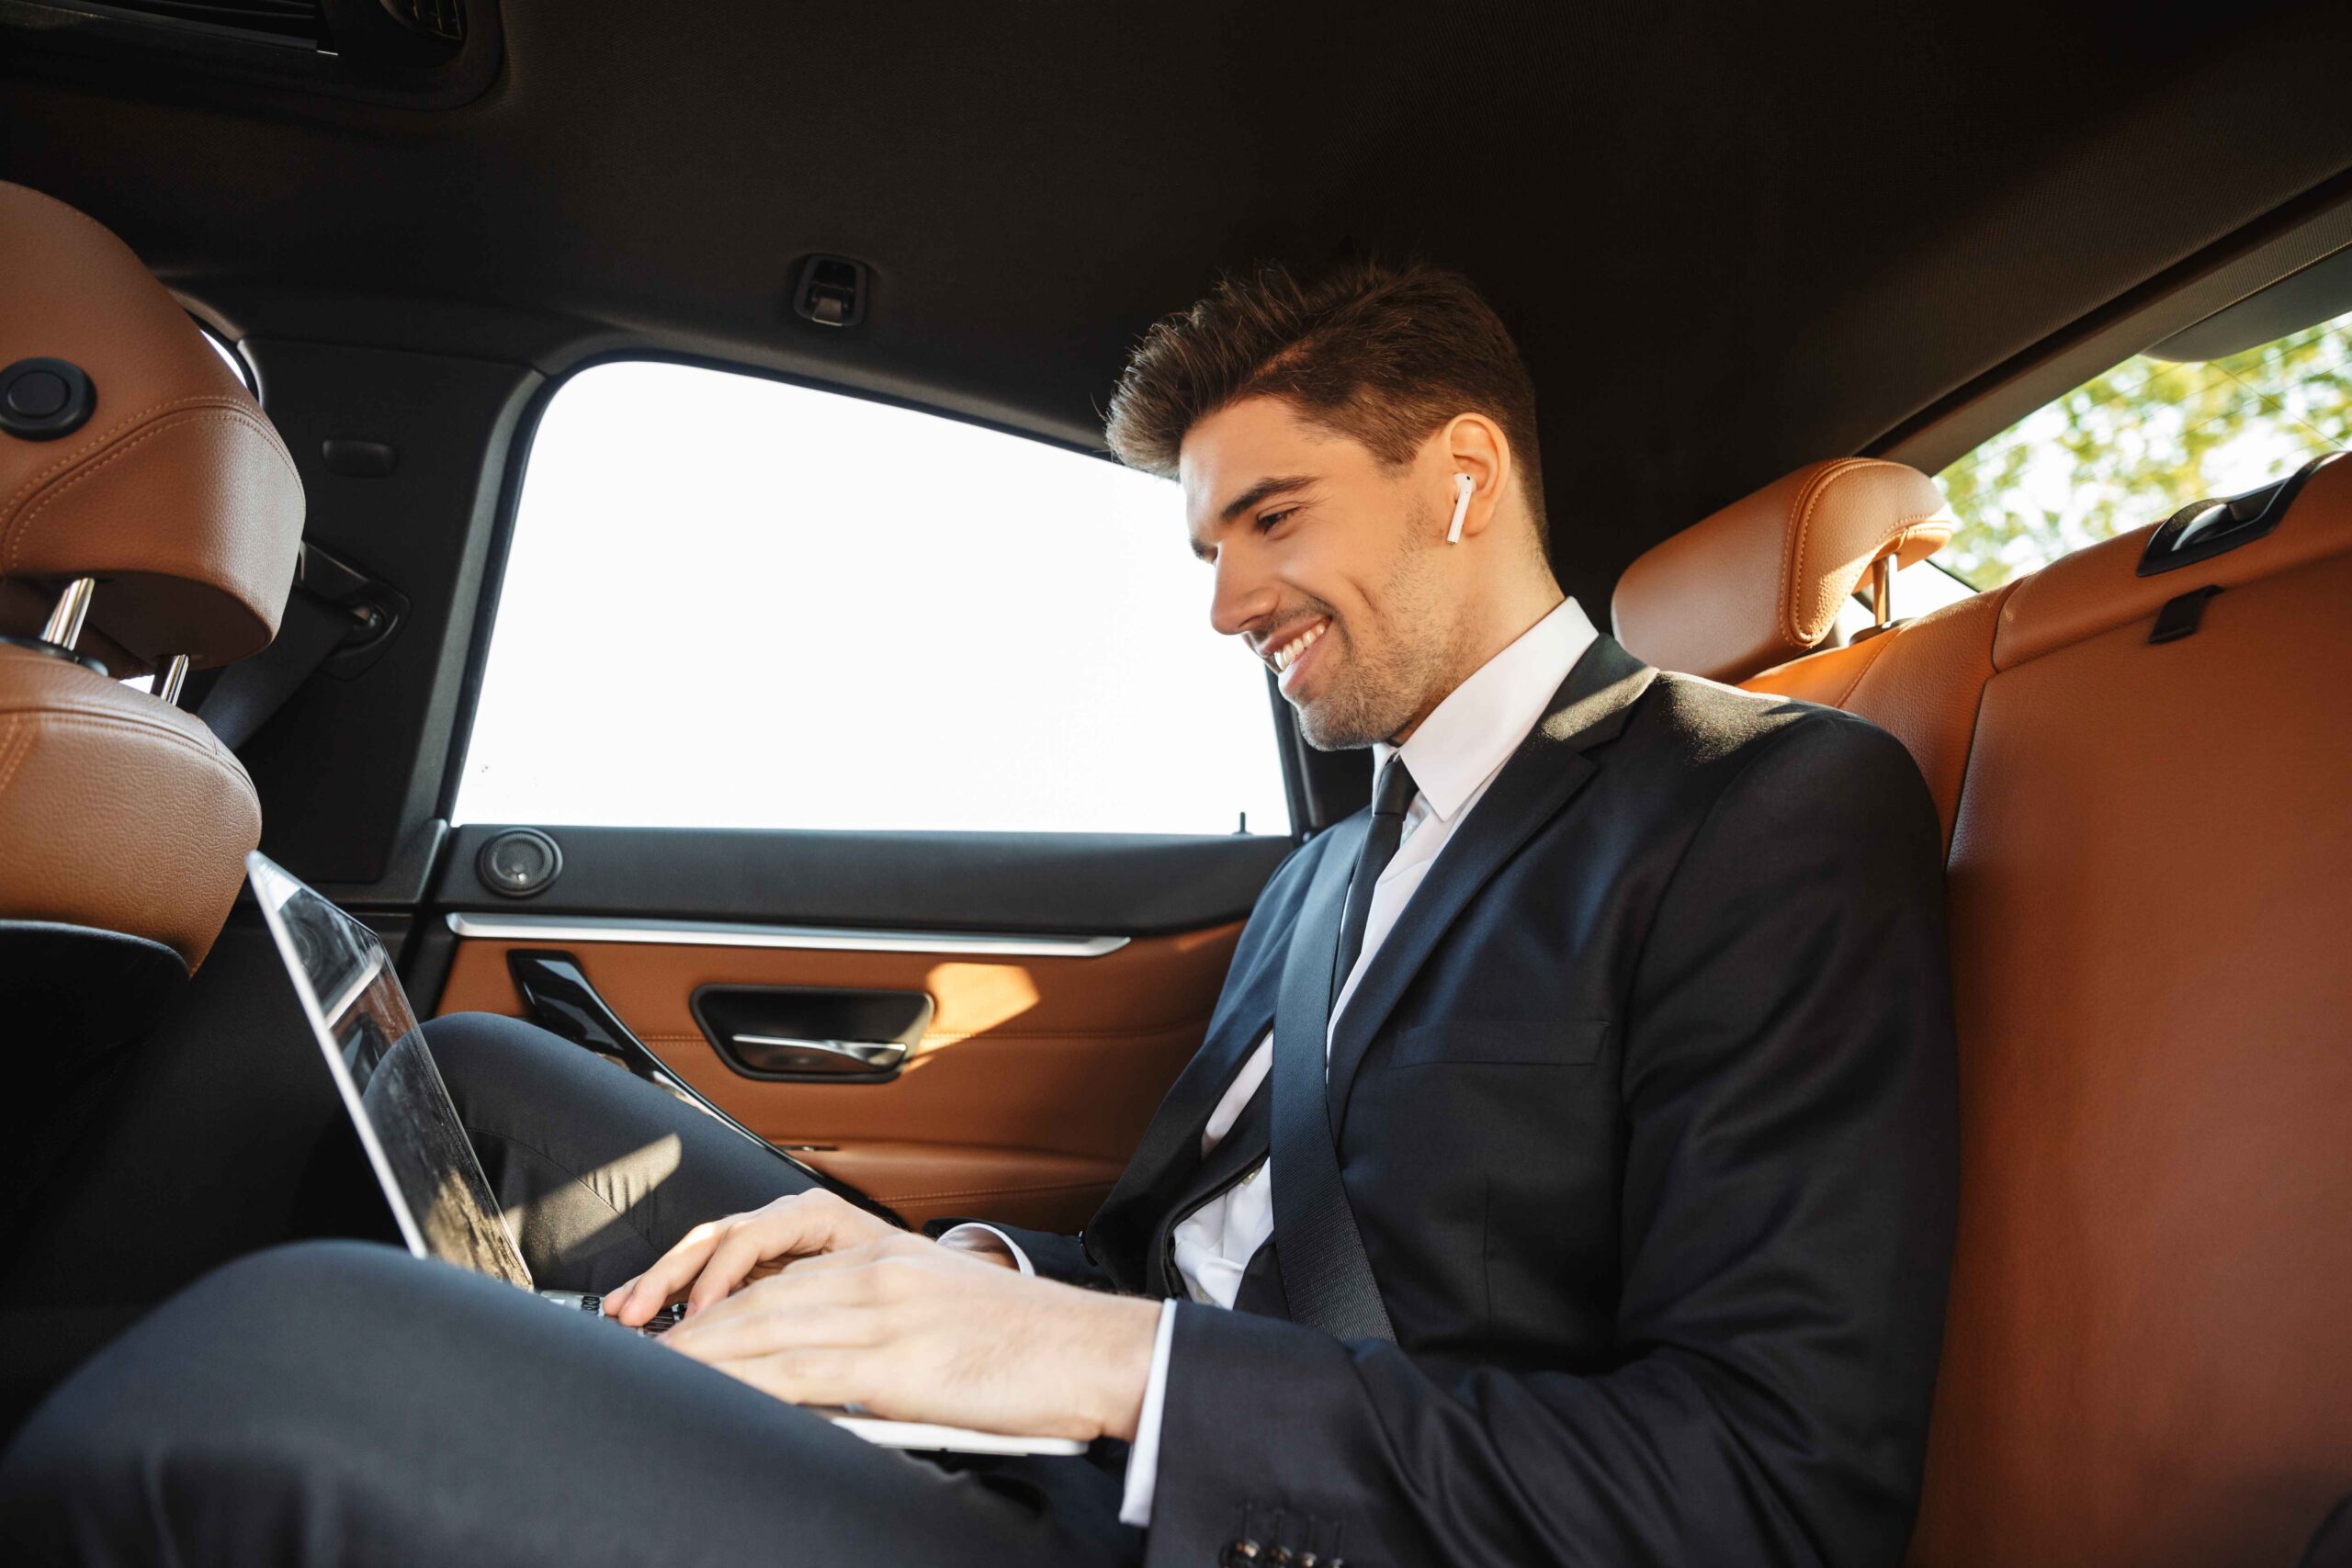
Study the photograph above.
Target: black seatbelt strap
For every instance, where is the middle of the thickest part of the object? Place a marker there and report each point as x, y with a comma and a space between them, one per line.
1326, 1274
252, 690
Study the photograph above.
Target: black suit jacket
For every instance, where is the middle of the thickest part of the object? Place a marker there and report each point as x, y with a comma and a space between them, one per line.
1646, 1114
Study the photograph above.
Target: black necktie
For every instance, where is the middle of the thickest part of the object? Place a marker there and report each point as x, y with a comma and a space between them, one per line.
1390, 797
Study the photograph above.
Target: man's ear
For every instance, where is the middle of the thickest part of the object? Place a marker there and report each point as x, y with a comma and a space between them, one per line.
1472, 444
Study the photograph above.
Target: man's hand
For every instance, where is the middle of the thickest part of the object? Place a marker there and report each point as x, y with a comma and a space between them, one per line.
918, 1332
721, 1256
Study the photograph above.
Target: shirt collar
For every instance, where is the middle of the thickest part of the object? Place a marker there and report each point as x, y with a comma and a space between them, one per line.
1469, 736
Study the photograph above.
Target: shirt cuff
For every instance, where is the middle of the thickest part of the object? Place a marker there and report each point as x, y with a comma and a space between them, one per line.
1020, 1258
1142, 1455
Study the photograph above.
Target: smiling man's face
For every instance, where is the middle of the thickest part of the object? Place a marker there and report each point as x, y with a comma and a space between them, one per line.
1328, 566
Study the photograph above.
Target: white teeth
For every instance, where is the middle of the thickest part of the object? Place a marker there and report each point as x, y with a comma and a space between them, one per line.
1288, 654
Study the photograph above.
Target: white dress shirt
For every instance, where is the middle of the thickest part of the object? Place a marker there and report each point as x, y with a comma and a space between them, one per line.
1454, 755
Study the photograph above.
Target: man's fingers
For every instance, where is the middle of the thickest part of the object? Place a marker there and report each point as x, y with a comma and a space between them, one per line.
792, 1229
712, 1261
652, 1291
794, 1289
757, 1240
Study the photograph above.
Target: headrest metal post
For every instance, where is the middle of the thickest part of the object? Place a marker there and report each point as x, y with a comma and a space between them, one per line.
1883, 590
64, 627
169, 679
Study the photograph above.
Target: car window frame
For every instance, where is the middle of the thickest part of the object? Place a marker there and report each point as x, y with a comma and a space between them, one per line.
1314, 794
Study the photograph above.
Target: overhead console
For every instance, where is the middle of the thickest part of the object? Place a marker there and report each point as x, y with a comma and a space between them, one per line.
414, 53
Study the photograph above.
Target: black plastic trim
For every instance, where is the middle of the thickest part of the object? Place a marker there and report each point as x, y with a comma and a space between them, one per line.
1087, 884
35, 645
2251, 516
2182, 614
485, 863
76, 400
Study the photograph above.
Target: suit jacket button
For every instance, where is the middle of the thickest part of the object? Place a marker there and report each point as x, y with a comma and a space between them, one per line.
1239, 1553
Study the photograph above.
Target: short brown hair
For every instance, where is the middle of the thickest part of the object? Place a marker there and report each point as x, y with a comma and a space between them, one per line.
1378, 353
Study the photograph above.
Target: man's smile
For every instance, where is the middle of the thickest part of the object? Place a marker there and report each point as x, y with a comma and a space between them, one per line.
1286, 656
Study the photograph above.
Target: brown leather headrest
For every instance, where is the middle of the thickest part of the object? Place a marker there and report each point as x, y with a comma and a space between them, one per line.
174, 492
116, 810
1759, 582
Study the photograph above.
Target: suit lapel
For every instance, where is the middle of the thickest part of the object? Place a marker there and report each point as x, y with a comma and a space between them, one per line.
1167, 1160
1545, 773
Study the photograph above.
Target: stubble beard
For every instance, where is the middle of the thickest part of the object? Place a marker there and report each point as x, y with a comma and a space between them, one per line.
1388, 678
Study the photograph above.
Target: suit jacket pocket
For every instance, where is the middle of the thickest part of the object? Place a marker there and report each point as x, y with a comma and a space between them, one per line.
1502, 1042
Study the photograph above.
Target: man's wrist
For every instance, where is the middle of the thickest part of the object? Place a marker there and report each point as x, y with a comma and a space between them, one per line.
1129, 1330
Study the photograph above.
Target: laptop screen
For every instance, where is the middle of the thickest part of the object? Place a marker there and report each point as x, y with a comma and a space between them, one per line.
398, 1103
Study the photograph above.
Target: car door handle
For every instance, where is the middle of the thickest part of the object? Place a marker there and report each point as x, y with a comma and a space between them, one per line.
829, 1034
793, 1053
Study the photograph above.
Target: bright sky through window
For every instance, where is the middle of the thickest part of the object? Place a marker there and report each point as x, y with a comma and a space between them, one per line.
735, 602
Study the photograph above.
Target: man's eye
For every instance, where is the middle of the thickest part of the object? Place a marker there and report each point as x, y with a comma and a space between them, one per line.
1266, 520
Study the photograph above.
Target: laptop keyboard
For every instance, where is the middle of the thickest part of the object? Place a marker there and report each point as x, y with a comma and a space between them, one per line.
660, 1323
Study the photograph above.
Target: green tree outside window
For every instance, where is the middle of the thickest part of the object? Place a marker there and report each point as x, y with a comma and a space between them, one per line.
2141, 441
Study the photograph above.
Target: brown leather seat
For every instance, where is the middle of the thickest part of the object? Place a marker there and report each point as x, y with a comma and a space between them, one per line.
2151, 891
157, 495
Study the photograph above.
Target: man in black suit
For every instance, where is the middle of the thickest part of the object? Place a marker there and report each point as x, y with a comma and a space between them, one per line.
1568, 1174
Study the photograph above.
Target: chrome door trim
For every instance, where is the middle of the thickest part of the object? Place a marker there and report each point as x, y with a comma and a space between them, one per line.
724, 933
857, 1056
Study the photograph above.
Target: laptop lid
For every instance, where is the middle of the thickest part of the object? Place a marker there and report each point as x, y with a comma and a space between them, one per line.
384, 1071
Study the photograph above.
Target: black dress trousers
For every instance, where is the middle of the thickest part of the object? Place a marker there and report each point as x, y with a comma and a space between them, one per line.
342, 1402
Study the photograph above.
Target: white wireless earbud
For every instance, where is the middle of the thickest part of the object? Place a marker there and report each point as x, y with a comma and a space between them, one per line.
1463, 485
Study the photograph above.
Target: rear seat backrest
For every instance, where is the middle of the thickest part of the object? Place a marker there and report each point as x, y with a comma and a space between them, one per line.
2147, 1360
1919, 681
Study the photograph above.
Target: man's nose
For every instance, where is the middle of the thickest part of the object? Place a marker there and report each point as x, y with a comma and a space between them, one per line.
1239, 595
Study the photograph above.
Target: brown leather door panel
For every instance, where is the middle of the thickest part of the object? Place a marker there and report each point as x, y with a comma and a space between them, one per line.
1020, 1102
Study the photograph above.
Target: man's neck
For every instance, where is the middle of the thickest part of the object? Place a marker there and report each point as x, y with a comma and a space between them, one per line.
1499, 628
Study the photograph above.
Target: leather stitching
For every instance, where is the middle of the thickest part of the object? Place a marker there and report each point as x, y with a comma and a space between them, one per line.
20, 528
147, 730
98, 443
17, 748
1804, 507
1976, 714
2012, 612
1801, 509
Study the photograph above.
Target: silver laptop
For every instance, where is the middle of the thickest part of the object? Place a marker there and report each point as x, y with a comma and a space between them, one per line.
418, 1148
399, 1105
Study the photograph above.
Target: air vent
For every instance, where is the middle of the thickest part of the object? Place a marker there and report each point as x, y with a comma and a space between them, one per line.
295, 22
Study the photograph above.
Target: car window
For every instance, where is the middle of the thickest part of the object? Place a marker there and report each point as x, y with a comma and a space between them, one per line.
731, 602
2137, 444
